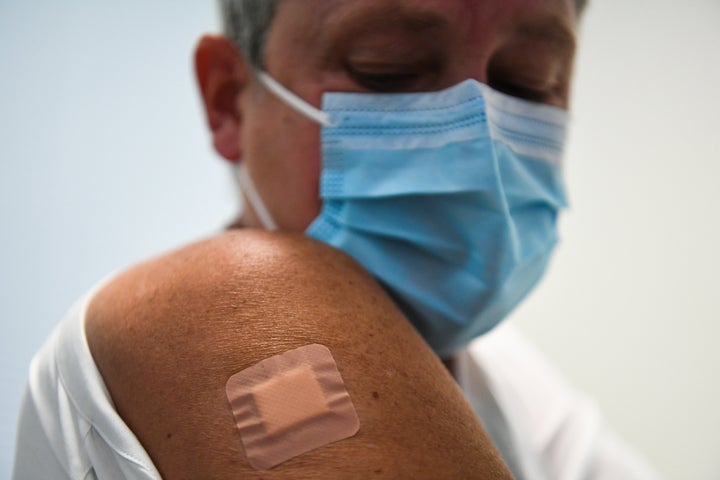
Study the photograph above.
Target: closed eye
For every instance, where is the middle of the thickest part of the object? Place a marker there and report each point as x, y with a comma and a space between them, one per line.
383, 80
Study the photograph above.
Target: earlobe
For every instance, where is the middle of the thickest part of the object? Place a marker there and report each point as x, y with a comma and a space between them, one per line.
221, 75
226, 139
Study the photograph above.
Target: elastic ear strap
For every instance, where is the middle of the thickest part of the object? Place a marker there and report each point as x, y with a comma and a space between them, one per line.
294, 101
248, 188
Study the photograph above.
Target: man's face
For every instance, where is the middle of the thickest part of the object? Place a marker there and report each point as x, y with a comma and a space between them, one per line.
521, 47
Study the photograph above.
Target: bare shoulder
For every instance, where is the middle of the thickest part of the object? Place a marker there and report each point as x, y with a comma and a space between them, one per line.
166, 336
255, 278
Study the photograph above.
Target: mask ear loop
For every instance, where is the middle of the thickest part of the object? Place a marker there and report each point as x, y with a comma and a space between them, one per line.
248, 188
294, 101
241, 173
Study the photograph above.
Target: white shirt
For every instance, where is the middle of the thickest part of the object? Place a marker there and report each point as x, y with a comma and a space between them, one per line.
544, 429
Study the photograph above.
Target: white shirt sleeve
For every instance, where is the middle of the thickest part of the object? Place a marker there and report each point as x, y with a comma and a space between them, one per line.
68, 426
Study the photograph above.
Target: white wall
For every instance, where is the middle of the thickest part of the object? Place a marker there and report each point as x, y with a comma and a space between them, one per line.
103, 158
630, 309
104, 161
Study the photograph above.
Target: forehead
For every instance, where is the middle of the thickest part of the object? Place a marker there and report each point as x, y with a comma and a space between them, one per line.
552, 18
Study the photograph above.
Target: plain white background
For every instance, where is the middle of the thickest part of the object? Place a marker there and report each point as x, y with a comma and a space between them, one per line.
104, 161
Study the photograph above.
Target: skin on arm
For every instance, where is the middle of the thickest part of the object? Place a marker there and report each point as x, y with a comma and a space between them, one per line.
168, 334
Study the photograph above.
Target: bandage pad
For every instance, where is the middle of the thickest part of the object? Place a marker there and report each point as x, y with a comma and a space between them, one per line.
290, 404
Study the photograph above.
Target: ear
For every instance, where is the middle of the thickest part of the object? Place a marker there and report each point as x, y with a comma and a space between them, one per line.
222, 74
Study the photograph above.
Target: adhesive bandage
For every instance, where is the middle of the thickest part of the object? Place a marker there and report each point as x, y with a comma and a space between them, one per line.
289, 404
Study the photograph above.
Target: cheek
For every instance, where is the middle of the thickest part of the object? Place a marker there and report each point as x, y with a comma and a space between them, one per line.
302, 163
282, 151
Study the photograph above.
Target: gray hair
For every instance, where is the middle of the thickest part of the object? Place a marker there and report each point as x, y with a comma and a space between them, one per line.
246, 22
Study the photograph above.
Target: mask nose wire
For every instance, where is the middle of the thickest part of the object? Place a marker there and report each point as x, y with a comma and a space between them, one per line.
294, 101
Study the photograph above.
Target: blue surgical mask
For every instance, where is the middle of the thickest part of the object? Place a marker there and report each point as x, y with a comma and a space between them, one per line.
450, 198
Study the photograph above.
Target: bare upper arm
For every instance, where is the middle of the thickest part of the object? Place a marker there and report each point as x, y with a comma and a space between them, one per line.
168, 334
